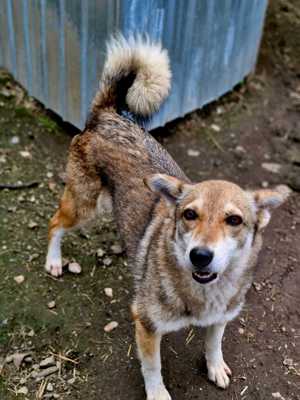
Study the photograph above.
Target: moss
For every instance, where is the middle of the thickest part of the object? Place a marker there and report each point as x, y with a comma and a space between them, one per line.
22, 112
47, 123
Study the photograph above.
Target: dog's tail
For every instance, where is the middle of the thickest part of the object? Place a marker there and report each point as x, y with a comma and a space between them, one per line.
135, 79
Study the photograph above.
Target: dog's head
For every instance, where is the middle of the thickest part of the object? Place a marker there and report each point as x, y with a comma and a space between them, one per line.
217, 222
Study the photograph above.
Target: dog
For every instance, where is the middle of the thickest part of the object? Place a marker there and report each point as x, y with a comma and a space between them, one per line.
192, 247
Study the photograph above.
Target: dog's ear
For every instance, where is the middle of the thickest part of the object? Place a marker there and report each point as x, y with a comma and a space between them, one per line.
168, 186
266, 200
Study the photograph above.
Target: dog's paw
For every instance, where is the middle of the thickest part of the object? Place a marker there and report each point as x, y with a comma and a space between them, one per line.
219, 373
160, 393
54, 267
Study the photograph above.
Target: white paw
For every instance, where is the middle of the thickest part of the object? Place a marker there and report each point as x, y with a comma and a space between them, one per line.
219, 373
159, 393
54, 267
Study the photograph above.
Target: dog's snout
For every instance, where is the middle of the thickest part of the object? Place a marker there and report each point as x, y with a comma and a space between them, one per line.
201, 257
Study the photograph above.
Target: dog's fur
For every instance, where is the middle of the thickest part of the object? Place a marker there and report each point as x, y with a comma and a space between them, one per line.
116, 165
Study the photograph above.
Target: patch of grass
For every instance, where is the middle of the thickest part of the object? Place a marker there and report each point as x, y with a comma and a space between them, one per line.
4, 335
22, 112
4, 78
47, 123
3, 390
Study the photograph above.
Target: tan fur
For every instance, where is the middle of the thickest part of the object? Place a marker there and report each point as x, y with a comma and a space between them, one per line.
146, 340
66, 214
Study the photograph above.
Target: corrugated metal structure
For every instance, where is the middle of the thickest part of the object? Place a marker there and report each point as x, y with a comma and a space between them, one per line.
56, 48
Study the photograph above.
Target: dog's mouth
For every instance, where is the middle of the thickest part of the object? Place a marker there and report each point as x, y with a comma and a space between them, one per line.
204, 277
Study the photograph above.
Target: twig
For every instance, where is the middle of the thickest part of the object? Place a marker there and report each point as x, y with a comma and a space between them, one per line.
215, 142
16, 186
41, 390
129, 350
62, 357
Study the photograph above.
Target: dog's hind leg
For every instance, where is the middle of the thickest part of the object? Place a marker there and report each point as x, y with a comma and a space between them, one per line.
148, 345
63, 220
218, 370
75, 210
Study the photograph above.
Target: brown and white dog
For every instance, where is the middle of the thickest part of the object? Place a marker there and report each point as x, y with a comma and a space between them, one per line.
192, 246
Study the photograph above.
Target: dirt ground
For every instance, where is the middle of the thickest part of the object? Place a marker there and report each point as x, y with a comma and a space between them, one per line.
250, 136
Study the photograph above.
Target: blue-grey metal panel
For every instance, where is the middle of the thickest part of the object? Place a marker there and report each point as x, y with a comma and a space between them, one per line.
56, 48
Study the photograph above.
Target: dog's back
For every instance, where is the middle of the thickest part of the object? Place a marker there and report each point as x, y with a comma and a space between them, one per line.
135, 81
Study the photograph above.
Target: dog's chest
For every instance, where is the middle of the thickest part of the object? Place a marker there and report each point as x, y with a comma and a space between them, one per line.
210, 307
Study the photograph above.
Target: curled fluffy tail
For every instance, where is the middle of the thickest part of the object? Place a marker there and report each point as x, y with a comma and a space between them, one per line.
136, 77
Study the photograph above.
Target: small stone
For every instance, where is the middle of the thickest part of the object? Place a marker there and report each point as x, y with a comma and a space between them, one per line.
108, 291
277, 395
265, 184
18, 358
240, 149
23, 390
49, 387
241, 331
111, 326
100, 253
9, 359
47, 362
28, 359
51, 304
193, 153
257, 286
107, 261
25, 154
49, 175
288, 362
32, 224
272, 167
116, 249
15, 140
74, 268
46, 372
33, 256
215, 128
19, 279
295, 96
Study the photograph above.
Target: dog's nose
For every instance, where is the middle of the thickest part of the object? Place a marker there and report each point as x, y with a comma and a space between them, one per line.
201, 256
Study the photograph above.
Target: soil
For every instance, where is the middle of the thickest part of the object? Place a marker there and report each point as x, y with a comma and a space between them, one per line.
256, 124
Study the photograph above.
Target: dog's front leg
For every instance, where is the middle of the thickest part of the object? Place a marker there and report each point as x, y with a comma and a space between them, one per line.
218, 370
148, 344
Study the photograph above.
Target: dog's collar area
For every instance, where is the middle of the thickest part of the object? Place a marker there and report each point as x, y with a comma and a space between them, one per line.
204, 278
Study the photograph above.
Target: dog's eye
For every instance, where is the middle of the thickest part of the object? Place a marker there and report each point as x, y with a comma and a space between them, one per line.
234, 220
190, 214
